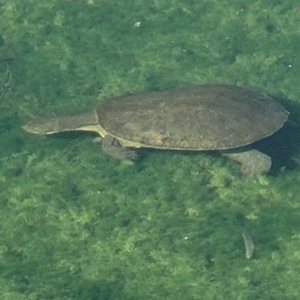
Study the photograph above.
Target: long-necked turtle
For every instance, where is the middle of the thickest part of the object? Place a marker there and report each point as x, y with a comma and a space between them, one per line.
226, 118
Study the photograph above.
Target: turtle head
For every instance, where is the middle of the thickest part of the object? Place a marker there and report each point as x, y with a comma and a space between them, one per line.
42, 126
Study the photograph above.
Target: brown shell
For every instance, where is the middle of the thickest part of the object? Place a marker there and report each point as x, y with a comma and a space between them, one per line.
207, 117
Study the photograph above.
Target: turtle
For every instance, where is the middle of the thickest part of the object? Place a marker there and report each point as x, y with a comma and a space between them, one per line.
210, 117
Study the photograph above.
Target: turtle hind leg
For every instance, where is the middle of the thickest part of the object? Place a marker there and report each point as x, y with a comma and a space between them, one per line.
253, 162
113, 148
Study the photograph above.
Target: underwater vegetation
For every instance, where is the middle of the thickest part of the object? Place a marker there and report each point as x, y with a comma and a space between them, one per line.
76, 224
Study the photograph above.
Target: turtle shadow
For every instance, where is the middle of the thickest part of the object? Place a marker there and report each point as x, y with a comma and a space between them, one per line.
284, 145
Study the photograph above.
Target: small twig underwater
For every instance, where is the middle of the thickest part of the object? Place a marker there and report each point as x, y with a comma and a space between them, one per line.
249, 245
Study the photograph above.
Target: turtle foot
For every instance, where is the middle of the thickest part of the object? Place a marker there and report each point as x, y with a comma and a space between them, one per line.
113, 148
253, 162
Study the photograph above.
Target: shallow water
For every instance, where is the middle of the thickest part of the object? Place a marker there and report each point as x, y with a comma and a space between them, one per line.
76, 224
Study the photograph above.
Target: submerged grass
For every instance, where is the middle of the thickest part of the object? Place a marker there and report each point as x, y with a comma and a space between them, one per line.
76, 224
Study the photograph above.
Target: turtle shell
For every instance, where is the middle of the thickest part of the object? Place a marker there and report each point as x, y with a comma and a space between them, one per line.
207, 117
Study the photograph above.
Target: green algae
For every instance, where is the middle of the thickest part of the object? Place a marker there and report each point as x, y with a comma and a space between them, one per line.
76, 224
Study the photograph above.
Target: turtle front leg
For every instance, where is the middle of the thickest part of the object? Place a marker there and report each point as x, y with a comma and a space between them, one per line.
253, 162
113, 148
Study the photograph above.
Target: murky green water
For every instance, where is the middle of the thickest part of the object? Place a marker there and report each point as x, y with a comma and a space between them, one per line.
76, 224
